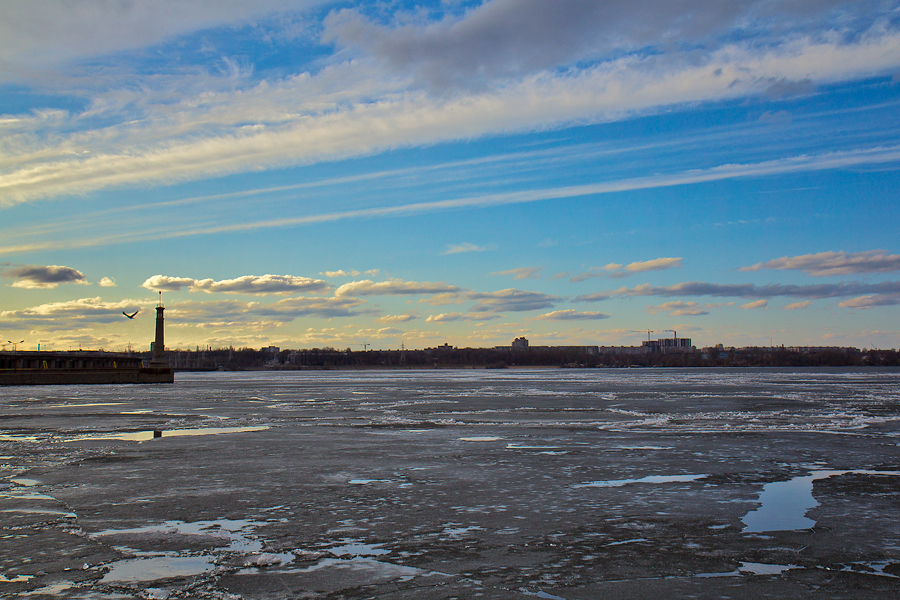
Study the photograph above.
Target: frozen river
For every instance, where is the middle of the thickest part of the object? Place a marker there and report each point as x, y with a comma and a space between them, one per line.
570, 484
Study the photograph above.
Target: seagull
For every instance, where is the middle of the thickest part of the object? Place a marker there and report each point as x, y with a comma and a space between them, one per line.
131, 316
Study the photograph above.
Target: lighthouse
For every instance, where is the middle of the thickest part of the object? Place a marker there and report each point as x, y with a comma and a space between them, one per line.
159, 346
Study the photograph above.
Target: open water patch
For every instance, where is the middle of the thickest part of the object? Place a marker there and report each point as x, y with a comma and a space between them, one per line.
648, 479
157, 567
143, 436
784, 504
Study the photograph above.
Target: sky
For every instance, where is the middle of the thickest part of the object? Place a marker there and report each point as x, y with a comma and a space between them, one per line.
311, 173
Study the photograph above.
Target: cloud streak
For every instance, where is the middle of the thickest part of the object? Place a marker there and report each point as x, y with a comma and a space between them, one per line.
828, 264
749, 290
248, 284
796, 164
210, 137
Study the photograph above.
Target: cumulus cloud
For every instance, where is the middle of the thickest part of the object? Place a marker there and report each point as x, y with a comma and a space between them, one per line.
511, 300
679, 309
827, 264
798, 305
248, 284
107, 282
871, 301
657, 264
522, 273
572, 315
44, 277
73, 312
616, 270
595, 297
285, 310
340, 273
749, 290
755, 304
509, 38
396, 318
463, 248
445, 318
393, 287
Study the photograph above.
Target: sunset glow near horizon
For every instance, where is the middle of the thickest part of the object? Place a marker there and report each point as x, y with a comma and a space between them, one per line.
305, 173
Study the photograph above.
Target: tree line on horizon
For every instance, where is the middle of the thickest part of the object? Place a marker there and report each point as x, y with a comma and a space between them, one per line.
498, 358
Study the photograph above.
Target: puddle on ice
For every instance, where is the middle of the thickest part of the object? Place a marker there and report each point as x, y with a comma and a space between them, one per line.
764, 569
143, 436
648, 479
159, 567
784, 504
541, 594
365, 481
25, 481
375, 569
16, 579
235, 531
50, 590
15, 437
358, 550
480, 439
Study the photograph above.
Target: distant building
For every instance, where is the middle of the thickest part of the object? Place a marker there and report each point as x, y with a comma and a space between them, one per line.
668, 345
520, 344
272, 349
444, 347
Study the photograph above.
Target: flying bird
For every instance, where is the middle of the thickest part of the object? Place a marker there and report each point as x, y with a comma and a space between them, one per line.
131, 316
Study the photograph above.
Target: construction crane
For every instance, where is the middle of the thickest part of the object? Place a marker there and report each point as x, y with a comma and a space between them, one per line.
649, 331
365, 345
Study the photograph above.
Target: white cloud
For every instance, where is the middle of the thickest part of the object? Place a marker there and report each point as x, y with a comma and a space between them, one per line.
798, 305
871, 301
679, 309
393, 287
463, 248
511, 300
44, 277
522, 273
749, 290
340, 273
754, 304
107, 282
657, 264
572, 315
616, 270
827, 264
50, 33
298, 120
74, 312
248, 284
396, 318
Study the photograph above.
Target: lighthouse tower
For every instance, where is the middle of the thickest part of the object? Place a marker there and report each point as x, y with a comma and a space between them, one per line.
159, 346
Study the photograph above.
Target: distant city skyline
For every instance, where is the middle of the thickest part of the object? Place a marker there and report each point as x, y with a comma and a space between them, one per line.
306, 173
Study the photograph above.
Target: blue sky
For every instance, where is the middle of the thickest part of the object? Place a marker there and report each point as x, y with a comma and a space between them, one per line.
305, 173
